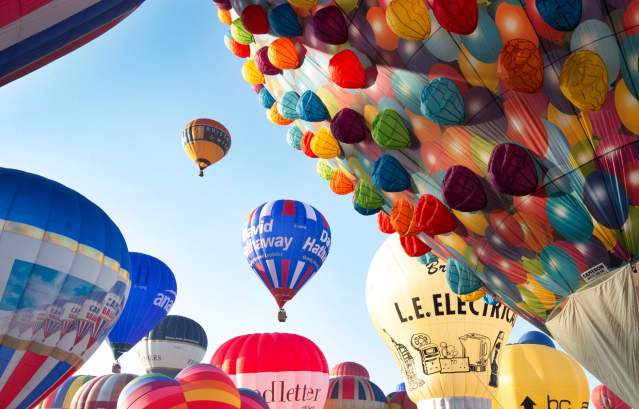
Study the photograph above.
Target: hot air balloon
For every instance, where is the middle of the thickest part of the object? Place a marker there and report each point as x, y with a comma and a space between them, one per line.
65, 280
152, 391
400, 399
293, 374
152, 295
511, 131
285, 242
349, 368
603, 398
205, 141
197, 386
37, 33
101, 392
175, 343
61, 398
251, 399
447, 349
536, 374
354, 392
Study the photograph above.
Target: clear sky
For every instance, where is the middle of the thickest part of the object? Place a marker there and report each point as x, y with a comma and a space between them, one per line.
106, 120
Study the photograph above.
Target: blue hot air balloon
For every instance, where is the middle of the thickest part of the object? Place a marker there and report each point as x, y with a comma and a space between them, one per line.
153, 291
64, 279
285, 242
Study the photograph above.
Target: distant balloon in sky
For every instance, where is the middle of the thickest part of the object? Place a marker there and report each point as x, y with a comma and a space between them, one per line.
604, 398
349, 369
354, 392
205, 141
64, 274
285, 242
537, 375
35, 33
293, 374
101, 392
175, 343
153, 292
61, 398
448, 350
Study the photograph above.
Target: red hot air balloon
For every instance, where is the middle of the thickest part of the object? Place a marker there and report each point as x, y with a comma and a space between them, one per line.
349, 369
604, 398
289, 371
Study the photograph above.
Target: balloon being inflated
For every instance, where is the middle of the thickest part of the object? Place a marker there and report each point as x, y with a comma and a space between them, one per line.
500, 135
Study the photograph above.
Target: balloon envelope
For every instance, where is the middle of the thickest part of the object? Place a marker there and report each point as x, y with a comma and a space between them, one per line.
604, 398
292, 374
153, 292
349, 369
447, 349
285, 242
175, 343
36, 33
65, 275
102, 391
539, 374
354, 392
443, 102
205, 142
61, 398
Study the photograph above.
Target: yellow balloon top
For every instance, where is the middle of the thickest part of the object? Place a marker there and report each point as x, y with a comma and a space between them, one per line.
538, 376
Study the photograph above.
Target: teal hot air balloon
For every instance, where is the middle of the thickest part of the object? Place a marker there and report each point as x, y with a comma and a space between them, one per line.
64, 281
153, 291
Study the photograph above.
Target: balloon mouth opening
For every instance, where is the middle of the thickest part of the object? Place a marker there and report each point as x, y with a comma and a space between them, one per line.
202, 164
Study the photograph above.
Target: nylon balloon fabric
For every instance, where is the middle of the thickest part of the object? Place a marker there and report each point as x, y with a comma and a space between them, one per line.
286, 242
65, 280
153, 292
39, 32
516, 117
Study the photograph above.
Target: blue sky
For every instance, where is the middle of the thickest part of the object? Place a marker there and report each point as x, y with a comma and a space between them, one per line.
106, 121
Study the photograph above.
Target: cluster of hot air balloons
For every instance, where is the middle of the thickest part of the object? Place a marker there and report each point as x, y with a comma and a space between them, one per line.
501, 135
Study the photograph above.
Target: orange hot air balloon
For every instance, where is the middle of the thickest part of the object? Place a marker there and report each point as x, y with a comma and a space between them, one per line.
205, 141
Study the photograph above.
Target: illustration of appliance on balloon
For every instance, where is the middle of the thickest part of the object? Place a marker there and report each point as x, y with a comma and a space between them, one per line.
477, 353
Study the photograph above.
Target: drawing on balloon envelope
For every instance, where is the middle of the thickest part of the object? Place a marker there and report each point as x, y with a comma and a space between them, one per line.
407, 363
42, 304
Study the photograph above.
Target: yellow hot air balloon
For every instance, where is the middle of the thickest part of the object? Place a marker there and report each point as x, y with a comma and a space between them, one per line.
448, 350
205, 141
536, 375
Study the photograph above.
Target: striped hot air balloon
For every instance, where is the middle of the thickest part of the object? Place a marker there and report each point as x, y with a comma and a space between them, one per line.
349, 369
205, 141
152, 391
37, 32
101, 392
64, 272
354, 392
61, 398
285, 242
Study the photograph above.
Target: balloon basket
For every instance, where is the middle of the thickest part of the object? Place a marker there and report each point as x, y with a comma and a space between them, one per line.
116, 368
281, 315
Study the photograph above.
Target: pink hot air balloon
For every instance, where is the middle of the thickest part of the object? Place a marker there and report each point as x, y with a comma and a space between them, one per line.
604, 398
288, 370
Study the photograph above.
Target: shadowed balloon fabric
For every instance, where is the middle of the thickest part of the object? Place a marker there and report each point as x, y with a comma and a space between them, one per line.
64, 279
34, 33
516, 117
62, 397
